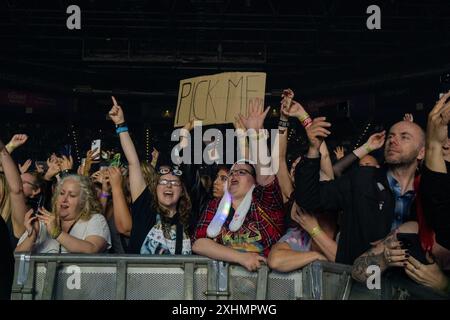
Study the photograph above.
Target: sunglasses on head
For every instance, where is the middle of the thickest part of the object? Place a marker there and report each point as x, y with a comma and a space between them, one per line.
175, 171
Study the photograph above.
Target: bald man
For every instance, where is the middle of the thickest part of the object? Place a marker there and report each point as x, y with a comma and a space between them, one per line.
374, 200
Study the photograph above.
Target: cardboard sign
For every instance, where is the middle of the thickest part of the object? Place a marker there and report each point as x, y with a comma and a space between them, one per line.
218, 98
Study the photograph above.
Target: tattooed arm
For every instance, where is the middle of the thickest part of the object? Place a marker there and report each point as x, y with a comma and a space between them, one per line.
384, 254
373, 256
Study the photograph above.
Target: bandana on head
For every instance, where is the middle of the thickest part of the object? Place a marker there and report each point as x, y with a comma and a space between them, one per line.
224, 209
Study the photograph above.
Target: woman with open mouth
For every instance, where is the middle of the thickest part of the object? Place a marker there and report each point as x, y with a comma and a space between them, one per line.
160, 214
75, 224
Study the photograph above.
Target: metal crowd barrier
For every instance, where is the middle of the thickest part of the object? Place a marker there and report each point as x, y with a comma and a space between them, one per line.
136, 277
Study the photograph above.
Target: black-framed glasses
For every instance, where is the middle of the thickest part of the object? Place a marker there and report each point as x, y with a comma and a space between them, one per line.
239, 172
166, 182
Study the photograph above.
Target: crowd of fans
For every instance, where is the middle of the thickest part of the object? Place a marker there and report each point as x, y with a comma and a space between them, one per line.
359, 210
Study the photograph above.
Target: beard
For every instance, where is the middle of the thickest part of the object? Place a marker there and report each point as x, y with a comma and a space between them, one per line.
401, 160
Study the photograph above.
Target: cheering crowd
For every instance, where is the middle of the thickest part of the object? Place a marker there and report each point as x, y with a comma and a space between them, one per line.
392, 212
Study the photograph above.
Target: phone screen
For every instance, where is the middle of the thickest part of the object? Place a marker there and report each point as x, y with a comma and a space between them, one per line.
96, 145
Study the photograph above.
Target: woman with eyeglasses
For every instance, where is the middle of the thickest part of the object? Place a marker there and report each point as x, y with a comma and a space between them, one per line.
160, 215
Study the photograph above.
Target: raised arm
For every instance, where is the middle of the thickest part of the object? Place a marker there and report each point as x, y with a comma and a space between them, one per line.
137, 181
283, 176
18, 203
437, 134
122, 214
325, 161
16, 141
375, 142
258, 143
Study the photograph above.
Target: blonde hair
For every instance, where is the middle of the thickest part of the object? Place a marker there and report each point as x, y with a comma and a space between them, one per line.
89, 202
5, 199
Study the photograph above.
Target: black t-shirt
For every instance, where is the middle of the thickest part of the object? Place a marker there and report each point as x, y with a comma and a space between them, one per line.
12, 238
144, 218
6, 262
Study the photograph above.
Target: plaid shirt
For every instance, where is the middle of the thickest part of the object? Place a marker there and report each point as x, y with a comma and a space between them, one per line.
402, 202
263, 226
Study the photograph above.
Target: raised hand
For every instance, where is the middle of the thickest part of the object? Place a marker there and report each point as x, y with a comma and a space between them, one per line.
39, 168
97, 177
408, 117
53, 167
18, 140
116, 113
339, 152
438, 119
190, 125
66, 163
155, 156
25, 166
115, 177
295, 110
317, 132
376, 140
255, 118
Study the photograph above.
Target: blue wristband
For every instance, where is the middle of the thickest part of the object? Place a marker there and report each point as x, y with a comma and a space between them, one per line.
121, 129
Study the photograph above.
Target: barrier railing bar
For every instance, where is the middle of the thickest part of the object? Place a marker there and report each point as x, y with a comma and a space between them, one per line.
261, 286
188, 281
16, 290
345, 286
121, 280
112, 258
212, 286
50, 277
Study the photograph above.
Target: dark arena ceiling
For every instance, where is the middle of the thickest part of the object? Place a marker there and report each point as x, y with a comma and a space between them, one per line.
146, 47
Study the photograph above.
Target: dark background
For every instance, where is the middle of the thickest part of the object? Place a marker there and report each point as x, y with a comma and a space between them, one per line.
55, 82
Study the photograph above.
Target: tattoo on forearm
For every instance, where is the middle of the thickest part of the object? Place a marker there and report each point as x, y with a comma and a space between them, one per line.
359, 269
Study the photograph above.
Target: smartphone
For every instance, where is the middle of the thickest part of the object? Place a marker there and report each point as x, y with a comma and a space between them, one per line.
411, 242
96, 144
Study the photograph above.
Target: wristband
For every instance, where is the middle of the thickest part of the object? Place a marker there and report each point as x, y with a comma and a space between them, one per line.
367, 148
104, 195
315, 231
120, 125
282, 123
306, 121
10, 147
119, 130
303, 116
